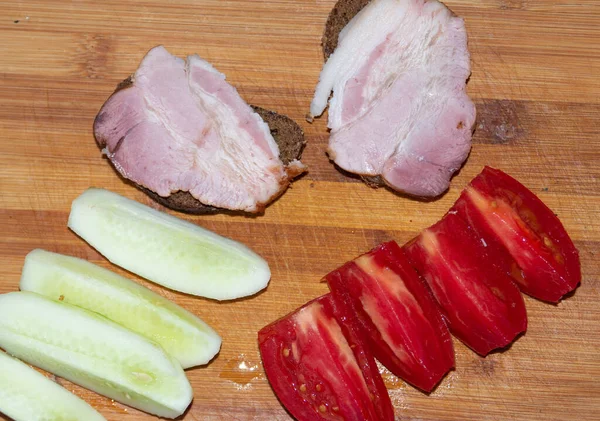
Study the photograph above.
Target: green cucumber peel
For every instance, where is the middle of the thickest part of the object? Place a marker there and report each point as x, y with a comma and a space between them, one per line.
81, 283
27, 395
90, 350
167, 250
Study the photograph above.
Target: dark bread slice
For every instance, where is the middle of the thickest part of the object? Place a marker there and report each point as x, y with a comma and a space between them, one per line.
340, 15
287, 134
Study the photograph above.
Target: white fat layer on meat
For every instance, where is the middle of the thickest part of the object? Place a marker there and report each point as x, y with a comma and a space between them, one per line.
195, 60
233, 141
223, 165
359, 37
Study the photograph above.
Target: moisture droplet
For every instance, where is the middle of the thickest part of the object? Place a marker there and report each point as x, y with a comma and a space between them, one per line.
241, 371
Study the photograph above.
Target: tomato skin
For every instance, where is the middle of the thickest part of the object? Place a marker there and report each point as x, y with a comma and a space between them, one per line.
483, 305
526, 237
320, 369
404, 326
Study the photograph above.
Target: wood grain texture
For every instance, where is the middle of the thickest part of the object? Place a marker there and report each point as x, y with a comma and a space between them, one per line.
536, 82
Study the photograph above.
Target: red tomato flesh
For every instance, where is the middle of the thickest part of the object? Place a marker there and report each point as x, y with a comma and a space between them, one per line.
320, 369
404, 326
527, 238
483, 305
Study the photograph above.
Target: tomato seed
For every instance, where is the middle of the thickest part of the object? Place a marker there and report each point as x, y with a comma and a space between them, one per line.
319, 388
286, 352
335, 408
559, 259
302, 388
322, 408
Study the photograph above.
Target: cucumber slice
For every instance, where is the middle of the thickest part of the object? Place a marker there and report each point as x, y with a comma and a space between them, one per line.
26, 395
165, 249
183, 335
93, 352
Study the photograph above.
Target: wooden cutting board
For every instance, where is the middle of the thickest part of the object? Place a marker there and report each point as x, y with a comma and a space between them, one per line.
536, 83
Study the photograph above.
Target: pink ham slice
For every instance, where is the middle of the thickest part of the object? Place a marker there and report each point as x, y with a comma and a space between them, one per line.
399, 107
181, 126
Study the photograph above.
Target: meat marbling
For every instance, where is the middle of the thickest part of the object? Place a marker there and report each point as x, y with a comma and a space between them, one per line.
179, 126
399, 107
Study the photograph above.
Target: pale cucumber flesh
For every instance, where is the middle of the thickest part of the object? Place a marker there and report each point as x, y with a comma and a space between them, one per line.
93, 352
26, 395
165, 249
71, 280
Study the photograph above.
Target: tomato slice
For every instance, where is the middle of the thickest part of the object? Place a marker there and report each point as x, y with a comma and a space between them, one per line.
483, 305
405, 328
320, 369
526, 237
